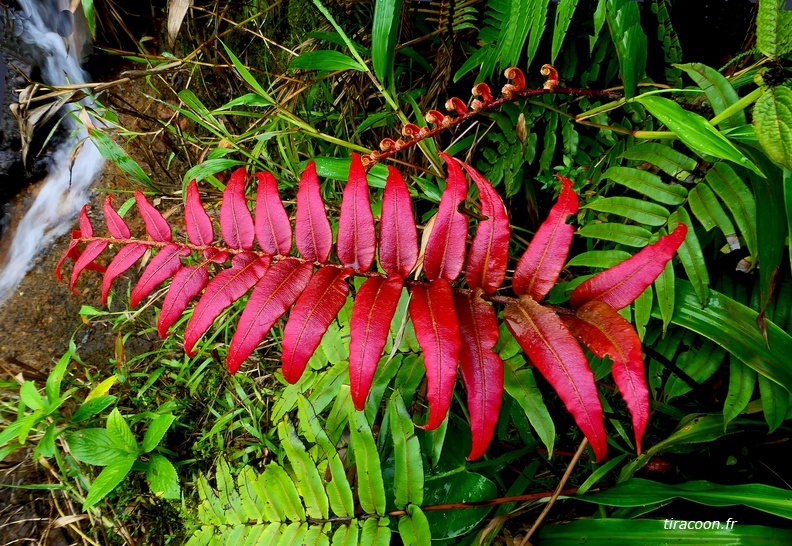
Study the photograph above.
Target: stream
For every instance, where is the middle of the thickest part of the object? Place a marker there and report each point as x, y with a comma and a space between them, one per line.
75, 163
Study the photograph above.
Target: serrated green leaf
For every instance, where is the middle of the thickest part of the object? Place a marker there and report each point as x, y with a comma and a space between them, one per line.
94, 446
408, 475
120, 434
623, 234
328, 60
91, 407
156, 431
774, 28
309, 483
371, 489
108, 479
648, 184
691, 255
641, 212
720, 93
742, 382
772, 120
162, 477
695, 131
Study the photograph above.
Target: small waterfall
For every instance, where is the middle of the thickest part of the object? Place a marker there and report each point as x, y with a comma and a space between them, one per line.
64, 191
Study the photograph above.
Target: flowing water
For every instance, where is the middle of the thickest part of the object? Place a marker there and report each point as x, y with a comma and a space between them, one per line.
73, 168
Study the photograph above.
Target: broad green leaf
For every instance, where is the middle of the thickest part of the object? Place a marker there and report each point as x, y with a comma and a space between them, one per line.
641, 212
775, 402
89, 408
738, 198
788, 205
599, 258
162, 477
648, 184
371, 489
664, 157
695, 131
733, 326
346, 535
699, 363
408, 474
114, 153
306, 474
120, 434
384, 33
624, 234
600, 472
255, 506
772, 119
624, 22
691, 255
521, 385
339, 491
325, 60
108, 479
414, 528
457, 485
720, 93
46, 445
637, 492
565, 9
90, 15
156, 431
650, 532
774, 28
742, 382
93, 446
706, 207
336, 168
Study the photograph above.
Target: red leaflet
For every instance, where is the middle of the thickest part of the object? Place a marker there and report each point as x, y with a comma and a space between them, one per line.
313, 235
398, 244
236, 223
186, 284
315, 309
482, 370
225, 288
357, 241
605, 332
162, 267
445, 250
86, 229
372, 314
85, 260
436, 328
199, 226
621, 284
156, 226
272, 297
125, 259
115, 224
538, 269
72, 252
559, 358
489, 251
273, 230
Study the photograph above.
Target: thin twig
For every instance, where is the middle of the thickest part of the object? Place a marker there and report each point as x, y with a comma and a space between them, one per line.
556, 493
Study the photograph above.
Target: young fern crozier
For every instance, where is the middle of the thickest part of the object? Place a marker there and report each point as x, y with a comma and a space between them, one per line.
455, 326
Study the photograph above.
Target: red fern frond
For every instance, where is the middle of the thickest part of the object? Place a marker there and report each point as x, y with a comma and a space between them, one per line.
454, 326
